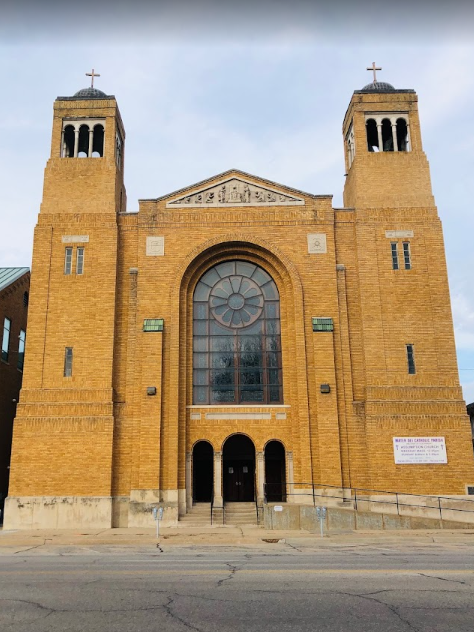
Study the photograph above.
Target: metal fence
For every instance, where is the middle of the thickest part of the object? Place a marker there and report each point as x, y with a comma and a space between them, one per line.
376, 500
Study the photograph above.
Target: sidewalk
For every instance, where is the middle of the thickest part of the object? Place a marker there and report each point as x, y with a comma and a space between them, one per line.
226, 536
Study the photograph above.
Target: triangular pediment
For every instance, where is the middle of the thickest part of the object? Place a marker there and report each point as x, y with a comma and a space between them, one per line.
234, 189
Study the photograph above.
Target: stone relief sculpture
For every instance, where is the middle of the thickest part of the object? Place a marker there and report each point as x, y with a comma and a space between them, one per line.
235, 196
238, 192
222, 194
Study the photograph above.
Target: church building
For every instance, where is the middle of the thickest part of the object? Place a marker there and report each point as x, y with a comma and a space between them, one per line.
238, 340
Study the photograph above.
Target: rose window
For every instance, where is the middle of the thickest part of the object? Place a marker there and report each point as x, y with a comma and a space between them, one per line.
236, 301
236, 336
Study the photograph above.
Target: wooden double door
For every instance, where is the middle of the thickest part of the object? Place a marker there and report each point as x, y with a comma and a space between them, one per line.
239, 480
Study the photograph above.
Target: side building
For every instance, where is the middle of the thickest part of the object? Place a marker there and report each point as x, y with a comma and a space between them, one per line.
14, 297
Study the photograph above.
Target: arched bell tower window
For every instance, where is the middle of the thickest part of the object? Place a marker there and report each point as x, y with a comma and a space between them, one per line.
372, 136
83, 138
388, 132
387, 136
98, 141
236, 336
83, 146
402, 135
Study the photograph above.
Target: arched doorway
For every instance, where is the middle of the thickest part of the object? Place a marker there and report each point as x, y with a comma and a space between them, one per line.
275, 472
203, 472
239, 469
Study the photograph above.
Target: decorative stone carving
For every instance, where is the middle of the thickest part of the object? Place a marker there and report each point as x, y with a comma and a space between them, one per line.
398, 234
155, 246
236, 192
71, 239
317, 243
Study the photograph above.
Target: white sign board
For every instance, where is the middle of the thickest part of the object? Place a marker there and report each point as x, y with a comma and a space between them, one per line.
277, 508
419, 450
71, 239
397, 234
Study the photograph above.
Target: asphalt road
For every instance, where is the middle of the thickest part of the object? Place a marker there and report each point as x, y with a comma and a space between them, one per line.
269, 588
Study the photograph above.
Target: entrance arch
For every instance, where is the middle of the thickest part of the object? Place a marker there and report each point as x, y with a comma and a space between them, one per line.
239, 469
275, 472
203, 472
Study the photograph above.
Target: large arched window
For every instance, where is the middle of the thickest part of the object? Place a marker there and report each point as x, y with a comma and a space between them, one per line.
236, 336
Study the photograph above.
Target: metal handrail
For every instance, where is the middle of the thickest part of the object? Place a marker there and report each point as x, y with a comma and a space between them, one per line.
354, 491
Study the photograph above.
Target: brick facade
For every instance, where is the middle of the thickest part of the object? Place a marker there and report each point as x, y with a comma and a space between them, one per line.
95, 448
13, 307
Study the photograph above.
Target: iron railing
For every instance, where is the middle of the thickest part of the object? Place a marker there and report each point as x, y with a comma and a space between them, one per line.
362, 497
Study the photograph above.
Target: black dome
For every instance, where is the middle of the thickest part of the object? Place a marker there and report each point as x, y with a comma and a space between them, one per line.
90, 93
378, 86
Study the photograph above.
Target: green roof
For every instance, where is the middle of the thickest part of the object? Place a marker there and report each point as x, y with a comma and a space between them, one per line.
10, 275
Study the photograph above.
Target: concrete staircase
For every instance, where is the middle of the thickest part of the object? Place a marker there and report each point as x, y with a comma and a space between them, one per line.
198, 516
240, 514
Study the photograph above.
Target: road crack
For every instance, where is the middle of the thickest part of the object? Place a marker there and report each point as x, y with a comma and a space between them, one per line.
233, 570
175, 617
444, 579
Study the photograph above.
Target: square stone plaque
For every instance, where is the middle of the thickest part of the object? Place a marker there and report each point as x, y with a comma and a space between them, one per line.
155, 246
317, 244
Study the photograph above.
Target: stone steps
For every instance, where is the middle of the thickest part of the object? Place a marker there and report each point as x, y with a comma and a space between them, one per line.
240, 514
199, 515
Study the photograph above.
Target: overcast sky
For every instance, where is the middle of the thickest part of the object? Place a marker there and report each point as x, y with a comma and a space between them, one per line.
263, 87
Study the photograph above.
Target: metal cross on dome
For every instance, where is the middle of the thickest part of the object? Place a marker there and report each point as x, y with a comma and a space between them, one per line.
374, 69
92, 75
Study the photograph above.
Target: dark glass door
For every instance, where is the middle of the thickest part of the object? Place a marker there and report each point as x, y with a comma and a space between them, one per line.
239, 481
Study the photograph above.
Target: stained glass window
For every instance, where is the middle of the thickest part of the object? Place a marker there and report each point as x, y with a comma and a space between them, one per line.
236, 336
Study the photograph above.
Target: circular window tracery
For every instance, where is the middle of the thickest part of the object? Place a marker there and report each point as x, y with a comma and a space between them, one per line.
236, 301
236, 336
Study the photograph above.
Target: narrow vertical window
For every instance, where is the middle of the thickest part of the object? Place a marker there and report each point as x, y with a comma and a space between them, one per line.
406, 255
68, 261
394, 246
68, 362
80, 261
411, 360
21, 349
7, 324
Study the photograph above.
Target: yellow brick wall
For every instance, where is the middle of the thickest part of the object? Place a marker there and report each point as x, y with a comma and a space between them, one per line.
98, 433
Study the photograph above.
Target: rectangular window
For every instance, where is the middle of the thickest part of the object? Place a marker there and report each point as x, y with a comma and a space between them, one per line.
406, 255
21, 349
411, 359
7, 325
68, 261
394, 246
80, 261
68, 362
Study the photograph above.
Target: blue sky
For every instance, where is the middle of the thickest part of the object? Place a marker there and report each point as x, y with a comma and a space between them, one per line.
203, 87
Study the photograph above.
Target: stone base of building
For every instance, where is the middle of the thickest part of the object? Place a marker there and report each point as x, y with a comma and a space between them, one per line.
380, 516
58, 512
71, 512
143, 501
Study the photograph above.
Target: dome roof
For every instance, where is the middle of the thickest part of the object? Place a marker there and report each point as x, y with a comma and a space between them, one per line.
90, 93
378, 86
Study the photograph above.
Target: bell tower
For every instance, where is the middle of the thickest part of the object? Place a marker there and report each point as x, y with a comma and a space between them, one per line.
408, 382
384, 159
66, 406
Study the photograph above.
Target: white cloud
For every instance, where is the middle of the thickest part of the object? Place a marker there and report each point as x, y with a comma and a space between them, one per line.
445, 85
463, 316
